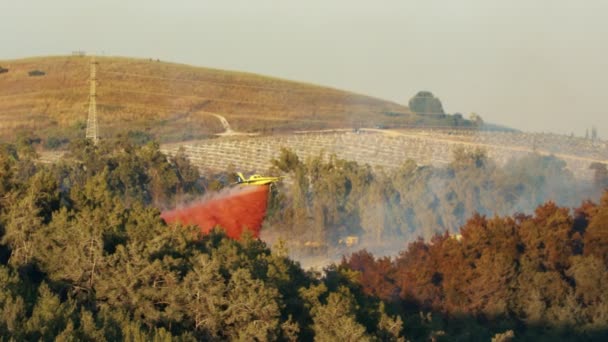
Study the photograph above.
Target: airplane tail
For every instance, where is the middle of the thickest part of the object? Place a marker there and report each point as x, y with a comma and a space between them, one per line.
239, 177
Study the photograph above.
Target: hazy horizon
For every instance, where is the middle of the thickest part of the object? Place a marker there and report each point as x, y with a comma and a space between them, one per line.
535, 66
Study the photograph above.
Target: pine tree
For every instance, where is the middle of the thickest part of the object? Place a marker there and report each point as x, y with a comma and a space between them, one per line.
252, 310
336, 321
50, 316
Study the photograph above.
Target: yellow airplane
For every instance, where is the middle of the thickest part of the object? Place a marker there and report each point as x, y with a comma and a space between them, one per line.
255, 179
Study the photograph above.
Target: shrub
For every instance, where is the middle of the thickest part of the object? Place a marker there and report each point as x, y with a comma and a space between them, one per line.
54, 142
36, 73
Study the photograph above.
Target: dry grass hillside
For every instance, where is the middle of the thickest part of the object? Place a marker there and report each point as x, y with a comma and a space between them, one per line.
172, 102
57, 100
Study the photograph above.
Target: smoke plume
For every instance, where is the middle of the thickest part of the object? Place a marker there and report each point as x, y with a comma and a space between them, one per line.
233, 209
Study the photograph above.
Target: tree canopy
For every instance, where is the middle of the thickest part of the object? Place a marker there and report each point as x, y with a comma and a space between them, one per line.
424, 102
84, 254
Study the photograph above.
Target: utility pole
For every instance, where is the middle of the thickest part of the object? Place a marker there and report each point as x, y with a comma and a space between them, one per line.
91, 131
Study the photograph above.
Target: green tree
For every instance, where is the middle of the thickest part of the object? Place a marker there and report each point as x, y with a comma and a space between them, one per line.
27, 213
335, 320
49, 317
424, 102
202, 296
253, 309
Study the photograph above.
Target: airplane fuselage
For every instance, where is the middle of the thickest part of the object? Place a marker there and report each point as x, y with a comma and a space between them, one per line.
256, 179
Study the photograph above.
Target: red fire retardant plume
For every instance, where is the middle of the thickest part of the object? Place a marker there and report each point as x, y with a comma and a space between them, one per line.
238, 209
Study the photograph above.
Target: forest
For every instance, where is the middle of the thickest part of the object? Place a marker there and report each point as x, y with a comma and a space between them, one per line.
84, 254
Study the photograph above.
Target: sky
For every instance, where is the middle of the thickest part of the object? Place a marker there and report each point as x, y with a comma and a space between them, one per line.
538, 66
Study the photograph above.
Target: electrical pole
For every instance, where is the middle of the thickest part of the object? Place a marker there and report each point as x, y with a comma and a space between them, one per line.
91, 131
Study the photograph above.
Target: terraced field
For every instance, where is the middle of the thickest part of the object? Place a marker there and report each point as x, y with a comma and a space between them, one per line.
389, 149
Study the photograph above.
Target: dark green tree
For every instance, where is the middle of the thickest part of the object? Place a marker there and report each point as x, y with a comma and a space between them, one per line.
424, 102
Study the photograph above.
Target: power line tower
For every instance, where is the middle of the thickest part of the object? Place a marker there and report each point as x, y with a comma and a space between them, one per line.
91, 132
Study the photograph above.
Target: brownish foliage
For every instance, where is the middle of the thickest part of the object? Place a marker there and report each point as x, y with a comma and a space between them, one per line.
376, 276
549, 268
596, 237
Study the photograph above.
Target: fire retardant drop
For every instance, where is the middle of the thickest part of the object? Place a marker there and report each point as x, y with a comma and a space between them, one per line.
239, 209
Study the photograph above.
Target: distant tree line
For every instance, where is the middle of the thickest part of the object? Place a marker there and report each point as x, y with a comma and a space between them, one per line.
330, 198
428, 105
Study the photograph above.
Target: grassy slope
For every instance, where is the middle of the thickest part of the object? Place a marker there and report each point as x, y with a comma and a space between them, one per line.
43, 104
172, 101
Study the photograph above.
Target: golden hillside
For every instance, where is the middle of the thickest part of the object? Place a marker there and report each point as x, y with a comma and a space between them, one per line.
173, 101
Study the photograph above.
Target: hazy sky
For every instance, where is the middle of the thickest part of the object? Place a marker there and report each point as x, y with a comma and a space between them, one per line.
536, 65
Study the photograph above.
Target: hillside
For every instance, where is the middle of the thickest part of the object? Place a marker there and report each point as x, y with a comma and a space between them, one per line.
172, 102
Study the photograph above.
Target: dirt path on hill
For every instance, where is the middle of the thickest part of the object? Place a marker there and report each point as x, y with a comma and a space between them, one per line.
228, 131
